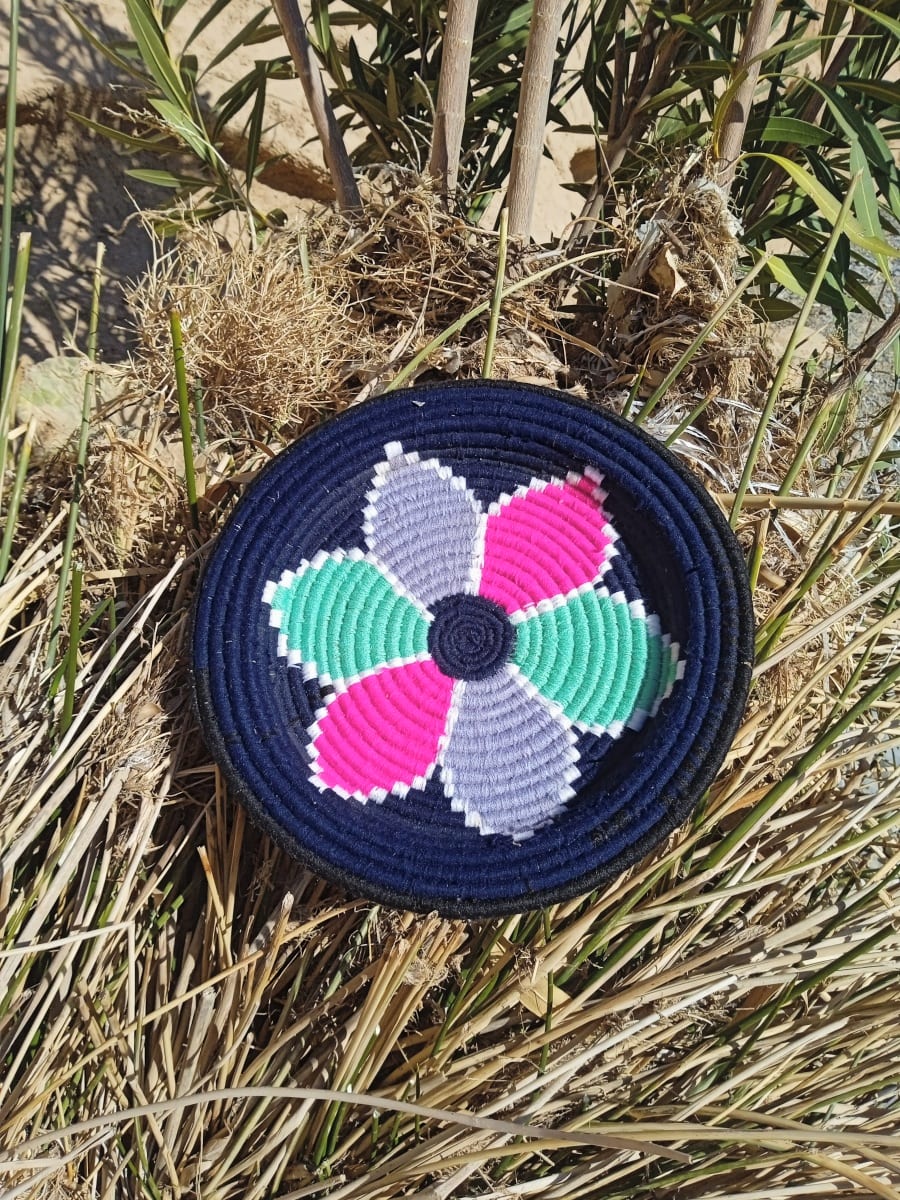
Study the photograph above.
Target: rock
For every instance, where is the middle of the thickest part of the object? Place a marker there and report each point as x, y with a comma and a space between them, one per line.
51, 392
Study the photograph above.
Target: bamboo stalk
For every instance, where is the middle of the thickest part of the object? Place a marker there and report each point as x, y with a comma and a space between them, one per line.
9, 166
759, 28
336, 157
531, 124
810, 504
450, 114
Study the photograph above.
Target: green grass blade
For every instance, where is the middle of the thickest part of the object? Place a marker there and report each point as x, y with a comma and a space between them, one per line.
90, 384
792, 130
10, 343
889, 23
499, 280
829, 206
71, 670
184, 414
185, 127
153, 145
867, 203
155, 53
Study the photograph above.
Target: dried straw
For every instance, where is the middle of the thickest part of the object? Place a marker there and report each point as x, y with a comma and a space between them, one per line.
178, 997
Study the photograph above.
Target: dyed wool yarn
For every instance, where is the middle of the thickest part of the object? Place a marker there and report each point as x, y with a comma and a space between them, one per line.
473, 648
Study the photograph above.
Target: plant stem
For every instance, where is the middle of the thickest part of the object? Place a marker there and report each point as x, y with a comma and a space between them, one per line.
531, 124
184, 414
497, 300
9, 167
336, 157
16, 499
90, 384
453, 88
812, 504
759, 28
10, 342
72, 652
785, 364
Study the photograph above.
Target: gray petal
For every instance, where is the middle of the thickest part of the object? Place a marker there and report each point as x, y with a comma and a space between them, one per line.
510, 761
421, 523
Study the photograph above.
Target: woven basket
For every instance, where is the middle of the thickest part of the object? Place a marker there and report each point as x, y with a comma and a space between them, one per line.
473, 648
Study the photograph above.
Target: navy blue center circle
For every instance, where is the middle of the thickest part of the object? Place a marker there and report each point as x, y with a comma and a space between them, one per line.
259, 711
470, 637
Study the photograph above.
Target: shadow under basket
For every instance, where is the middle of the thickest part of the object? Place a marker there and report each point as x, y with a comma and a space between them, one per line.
473, 648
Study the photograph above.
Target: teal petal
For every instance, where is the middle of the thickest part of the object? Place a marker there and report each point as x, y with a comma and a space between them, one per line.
601, 660
340, 616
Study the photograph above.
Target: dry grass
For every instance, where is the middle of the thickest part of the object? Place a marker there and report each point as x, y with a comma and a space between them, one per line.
278, 335
267, 339
676, 255
186, 1013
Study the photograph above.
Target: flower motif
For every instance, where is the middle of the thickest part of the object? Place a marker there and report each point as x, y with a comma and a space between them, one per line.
477, 644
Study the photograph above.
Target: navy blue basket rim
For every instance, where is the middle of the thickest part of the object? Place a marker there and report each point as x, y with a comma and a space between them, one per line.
674, 816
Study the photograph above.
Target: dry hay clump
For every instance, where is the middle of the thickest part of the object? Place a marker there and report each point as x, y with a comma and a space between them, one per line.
419, 267
269, 340
677, 246
313, 319
413, 259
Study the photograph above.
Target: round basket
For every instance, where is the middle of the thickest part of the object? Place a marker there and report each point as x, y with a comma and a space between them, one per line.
473, 648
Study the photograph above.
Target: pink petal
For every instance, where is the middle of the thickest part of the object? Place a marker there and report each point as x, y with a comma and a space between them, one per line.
545, 542
382, 734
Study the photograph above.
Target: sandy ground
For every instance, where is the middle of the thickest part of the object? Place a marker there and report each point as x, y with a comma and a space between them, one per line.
72, 189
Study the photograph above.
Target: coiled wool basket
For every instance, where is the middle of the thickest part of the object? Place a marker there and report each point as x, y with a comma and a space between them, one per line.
473, 648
